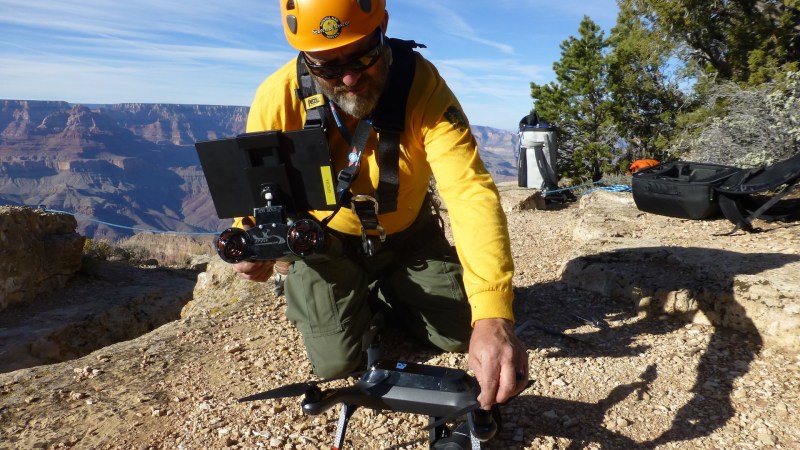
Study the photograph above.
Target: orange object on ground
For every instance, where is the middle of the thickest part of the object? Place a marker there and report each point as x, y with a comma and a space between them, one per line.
640, 164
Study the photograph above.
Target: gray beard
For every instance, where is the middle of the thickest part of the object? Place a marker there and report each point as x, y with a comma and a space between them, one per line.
363, 105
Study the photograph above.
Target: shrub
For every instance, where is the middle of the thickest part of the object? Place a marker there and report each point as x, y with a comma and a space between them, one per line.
751, 126
99, 250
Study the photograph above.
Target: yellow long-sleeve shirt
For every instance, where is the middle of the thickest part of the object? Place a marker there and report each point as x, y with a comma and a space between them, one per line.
437, 141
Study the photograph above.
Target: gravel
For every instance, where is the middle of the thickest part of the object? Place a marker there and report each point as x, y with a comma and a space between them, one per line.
604, 376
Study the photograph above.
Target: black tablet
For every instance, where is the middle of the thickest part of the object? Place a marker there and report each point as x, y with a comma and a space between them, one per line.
295, 165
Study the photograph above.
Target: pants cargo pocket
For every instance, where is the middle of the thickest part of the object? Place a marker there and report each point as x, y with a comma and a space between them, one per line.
311, 304
327, 302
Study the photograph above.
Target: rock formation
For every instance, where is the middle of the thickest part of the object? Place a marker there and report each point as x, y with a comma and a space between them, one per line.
39, 252
134, 164
751, 287
52, 308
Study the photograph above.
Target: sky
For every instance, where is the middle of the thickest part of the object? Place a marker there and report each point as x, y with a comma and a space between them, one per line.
218, 52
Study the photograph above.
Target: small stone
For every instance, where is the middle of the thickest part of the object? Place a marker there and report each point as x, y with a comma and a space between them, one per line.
77, 395
571, 422
234, 348
766, 439
782, 410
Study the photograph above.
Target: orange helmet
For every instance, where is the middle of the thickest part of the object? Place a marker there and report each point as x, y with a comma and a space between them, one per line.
316, 25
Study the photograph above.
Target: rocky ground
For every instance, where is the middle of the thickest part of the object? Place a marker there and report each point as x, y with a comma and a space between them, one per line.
605, 375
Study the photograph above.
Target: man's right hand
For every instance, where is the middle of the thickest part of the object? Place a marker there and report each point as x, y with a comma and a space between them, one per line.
254, 270
260, 270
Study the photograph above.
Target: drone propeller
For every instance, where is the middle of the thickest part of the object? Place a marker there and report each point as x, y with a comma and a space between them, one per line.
290, 390
294, 389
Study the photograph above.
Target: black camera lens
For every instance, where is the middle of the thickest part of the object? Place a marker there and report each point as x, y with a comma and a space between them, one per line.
232, 245
305, 237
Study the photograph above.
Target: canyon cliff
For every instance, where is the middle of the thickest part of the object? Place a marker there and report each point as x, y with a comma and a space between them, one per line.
133, 166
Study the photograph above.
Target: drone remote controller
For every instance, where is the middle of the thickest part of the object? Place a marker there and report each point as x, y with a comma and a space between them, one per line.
273, 237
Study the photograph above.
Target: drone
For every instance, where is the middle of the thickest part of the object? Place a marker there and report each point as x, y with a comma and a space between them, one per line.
443, 394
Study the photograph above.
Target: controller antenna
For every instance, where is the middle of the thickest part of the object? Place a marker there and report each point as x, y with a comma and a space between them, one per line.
267, 193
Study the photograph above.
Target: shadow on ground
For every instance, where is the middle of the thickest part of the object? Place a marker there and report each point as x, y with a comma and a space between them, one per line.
551, 315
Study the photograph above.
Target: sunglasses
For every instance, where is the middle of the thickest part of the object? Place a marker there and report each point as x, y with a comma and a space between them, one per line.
357, 64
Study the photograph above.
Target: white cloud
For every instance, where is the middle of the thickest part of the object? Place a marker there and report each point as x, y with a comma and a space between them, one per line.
443, 14
216, 52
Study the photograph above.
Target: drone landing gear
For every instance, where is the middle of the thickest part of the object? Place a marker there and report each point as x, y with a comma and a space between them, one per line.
440, 437
347, 411
461, 438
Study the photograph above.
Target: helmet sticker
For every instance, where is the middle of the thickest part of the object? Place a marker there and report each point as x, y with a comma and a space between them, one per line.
331, 27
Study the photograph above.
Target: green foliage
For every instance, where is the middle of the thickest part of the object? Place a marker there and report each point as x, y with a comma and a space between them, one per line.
135, 254
744, 126
643, 87
711, 81
100, 250
784, 103
748, 42
578, 104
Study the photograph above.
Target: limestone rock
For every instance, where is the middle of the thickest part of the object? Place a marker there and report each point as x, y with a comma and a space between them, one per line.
712, 280
39, 252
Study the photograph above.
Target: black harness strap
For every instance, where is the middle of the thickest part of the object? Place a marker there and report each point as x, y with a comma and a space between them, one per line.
388, 120
313, 101
349, 173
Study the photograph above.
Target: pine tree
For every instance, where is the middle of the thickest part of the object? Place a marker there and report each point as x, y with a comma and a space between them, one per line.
644, 88
745, 41
578, 104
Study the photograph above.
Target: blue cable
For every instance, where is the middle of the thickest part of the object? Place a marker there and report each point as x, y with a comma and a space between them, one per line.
614, 188
574, 187
130, 228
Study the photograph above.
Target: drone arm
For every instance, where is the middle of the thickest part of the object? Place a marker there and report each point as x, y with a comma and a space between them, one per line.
354, 395
319, 404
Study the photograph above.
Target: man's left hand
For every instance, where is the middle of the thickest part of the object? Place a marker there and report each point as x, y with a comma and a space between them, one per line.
499, 361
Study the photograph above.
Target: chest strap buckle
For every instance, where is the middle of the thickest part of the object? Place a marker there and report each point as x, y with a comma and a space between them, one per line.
366, 208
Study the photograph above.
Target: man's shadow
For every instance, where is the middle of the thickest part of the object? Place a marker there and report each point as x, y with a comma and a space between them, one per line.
552, 310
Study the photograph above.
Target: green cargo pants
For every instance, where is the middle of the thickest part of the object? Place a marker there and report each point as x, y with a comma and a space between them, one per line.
331, 297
